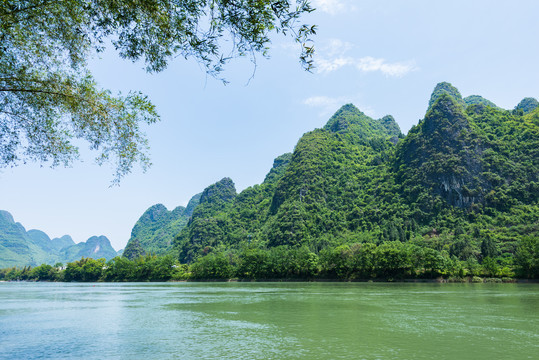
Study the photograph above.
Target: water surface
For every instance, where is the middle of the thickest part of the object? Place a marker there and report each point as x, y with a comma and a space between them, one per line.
269, 321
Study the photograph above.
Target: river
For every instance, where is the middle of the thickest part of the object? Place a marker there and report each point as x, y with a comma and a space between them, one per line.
268, 321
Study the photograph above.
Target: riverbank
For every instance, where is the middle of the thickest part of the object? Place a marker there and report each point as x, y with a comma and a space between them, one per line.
474, 280
277, 265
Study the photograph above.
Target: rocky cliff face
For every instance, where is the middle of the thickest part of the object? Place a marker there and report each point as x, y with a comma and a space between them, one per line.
443, 154
476, 154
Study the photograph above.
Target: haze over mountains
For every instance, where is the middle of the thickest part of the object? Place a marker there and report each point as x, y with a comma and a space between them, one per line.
19, 247
464, 182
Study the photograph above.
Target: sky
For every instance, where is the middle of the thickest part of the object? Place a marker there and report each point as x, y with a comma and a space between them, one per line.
383, 56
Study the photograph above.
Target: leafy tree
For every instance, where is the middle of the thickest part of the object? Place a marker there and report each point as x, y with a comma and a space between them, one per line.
490, 266
488, 248
43, 272
213, 266
253, 264
16, 274
527, 256
48, 97
85, 270
143, 268
120, 269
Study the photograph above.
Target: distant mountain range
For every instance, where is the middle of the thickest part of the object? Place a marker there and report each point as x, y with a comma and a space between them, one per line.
19, 247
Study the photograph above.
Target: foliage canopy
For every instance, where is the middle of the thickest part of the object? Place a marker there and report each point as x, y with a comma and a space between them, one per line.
48, 97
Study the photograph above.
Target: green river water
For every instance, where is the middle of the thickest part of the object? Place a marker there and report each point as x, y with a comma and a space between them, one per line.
269, 321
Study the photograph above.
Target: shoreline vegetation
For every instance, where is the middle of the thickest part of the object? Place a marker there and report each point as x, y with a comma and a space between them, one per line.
387, 261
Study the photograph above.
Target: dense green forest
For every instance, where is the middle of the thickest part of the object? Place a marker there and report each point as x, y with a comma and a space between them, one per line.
463, 183
388, 260
456, 197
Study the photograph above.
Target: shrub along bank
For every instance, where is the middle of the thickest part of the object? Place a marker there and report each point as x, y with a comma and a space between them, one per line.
390, 260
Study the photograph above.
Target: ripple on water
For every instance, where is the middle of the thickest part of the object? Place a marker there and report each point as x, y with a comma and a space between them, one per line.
268, 321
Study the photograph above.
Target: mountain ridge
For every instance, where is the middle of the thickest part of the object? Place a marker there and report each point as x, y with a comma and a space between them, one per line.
19, 247
458, 175
463, 183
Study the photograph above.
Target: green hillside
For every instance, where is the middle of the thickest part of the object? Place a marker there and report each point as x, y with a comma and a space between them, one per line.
156, 228
206, 228
62, 242
96, 247
478, 100
464, 182
527, 105
457, 196
19, 247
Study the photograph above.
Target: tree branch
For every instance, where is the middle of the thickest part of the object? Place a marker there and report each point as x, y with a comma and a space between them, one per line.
16, 11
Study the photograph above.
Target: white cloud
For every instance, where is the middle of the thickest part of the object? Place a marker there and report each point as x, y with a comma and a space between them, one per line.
369, 64
336, 47
332, 56
330, 6
328, 105
365, 64
321, 101
327, 66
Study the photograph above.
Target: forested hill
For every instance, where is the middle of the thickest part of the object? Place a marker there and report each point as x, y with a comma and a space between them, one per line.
155, 229
457, 196
464, 182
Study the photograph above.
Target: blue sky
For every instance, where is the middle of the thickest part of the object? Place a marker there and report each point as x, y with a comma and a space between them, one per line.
383, 56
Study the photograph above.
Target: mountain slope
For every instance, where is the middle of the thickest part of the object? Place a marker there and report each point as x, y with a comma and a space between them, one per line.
478, 100
441, 154
464, 181
155, 229
62, 242
297, 205
527, 105
19, 247
96, 247
207, 225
